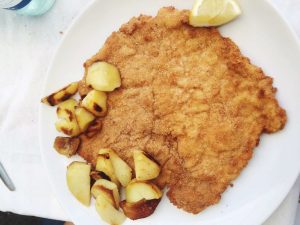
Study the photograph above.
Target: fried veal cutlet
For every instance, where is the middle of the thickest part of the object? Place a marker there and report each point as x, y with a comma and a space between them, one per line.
190, 99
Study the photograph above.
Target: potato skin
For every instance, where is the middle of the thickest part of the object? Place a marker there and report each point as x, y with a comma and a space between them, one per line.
61, 95
66, 145
140, 209
93, 129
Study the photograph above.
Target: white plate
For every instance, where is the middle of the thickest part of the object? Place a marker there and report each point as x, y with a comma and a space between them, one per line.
263, 36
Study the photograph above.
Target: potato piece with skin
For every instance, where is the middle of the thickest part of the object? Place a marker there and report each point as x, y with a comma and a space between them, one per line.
96, 175
122, 170
108, 212
106, 188
61, 95
66, 109
104, 165
68, 128
145, 167
67, 123
140, 209
138, 190
95, 102
78, 181
103, 76
84, 118
66, 146
102, 192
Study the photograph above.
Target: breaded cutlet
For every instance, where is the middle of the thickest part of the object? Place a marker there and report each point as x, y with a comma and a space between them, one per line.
190, 99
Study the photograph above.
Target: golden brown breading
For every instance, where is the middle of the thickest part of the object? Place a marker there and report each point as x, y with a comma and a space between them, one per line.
190, 100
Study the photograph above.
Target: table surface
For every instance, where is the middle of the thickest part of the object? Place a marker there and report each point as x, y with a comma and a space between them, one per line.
27, 45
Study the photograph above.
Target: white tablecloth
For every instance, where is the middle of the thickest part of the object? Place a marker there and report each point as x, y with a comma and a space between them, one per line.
27, 44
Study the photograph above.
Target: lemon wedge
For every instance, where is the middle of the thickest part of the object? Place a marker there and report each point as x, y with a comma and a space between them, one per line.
206, 13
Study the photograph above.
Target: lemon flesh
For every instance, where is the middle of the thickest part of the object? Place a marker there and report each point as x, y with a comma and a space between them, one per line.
206, 13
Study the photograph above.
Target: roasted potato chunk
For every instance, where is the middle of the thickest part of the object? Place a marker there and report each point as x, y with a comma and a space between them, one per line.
108, 212
104, 165
140, 209
68, 128
95, 102
138, 190
103, 76
84, 118
78, 180
96, 175
61, 95
122, 170
66, 145
106, 189
66, 109
145, 167
67, 122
